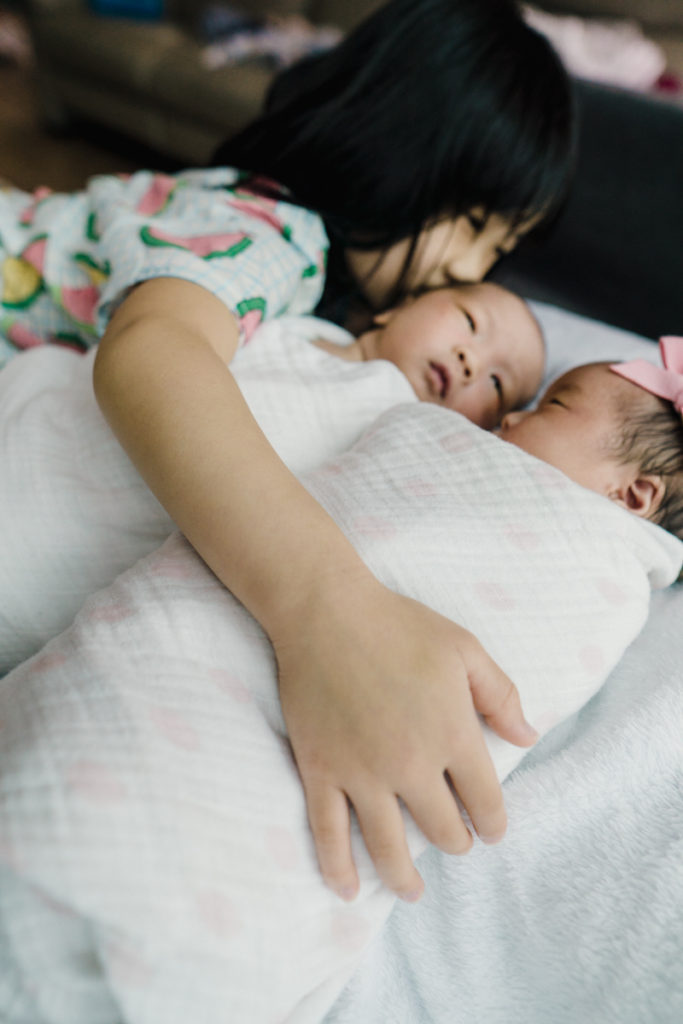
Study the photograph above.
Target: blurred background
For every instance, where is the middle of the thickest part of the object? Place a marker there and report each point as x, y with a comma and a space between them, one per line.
93, 85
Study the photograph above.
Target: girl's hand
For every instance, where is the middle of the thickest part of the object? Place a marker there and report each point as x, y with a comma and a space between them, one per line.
380, 696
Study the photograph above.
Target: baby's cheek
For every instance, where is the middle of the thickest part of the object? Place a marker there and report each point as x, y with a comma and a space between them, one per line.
479, 409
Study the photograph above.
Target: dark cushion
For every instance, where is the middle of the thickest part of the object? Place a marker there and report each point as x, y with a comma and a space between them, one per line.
616, 251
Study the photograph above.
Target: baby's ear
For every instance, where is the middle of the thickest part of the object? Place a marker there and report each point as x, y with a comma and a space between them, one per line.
642, 494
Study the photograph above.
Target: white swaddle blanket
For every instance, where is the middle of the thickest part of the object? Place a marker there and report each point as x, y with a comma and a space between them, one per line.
578, 915
75, 513
156, 860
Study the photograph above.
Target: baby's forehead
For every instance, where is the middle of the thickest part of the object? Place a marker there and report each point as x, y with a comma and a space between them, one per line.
598, 386
587, 377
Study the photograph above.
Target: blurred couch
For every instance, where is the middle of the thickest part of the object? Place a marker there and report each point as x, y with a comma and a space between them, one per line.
148, 81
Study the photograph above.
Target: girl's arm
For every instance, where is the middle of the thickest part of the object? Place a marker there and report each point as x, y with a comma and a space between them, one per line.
378, 692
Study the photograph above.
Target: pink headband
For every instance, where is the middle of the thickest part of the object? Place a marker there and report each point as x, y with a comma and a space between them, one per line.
666, 383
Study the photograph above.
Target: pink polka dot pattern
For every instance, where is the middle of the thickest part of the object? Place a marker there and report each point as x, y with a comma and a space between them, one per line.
126, 967
350, 930
548, 476
8, 854
95, 782
522, 538
110, 613
230, 684
420, 488
495, 596
592, 658
282, 846
218, 914
54, 905
176, 568
48, 660
374, 527
330, 469
613, 591
456, 443
175, 728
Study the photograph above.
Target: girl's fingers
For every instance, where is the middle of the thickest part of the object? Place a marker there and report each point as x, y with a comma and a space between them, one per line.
496, 698
436, 813
474, 779
328, 815
381, 822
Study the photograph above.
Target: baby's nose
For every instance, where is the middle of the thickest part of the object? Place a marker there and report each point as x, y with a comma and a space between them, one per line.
468, 364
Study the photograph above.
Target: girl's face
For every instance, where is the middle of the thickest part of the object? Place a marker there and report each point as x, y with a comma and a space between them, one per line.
475, 348
461, 249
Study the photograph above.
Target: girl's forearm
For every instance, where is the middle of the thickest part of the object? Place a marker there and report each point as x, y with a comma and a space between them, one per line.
165, 388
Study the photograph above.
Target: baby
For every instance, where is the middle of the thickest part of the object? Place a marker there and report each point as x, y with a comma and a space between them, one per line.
474, 348
616, 429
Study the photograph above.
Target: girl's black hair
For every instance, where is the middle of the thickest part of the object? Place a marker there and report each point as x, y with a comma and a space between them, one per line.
429, 108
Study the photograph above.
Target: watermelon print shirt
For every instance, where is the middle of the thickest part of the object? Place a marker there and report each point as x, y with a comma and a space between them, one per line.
67, 261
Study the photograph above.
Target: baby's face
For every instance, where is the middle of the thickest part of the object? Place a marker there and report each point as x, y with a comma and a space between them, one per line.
476, 349
574, 425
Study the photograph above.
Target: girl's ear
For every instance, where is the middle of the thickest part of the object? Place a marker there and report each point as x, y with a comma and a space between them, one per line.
642, 494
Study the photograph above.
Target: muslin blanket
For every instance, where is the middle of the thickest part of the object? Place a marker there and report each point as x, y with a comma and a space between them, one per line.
74, 512
578, 915
156, 861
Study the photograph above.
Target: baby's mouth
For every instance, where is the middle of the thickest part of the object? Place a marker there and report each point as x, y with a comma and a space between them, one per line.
439, 381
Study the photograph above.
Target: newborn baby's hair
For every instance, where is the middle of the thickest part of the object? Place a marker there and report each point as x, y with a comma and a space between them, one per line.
651, 437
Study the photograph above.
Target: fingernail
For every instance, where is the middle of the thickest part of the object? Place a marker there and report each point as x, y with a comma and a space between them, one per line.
346, 892
531, 733
413, 896
491, 840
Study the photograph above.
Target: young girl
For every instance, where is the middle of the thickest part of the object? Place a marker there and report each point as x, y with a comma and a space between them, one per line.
397, 179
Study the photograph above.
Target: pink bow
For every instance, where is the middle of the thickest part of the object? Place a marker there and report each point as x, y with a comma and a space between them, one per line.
667, 382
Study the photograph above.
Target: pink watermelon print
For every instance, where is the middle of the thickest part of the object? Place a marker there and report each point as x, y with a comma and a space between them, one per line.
27, 215
20, 336
80, 303
34, 253
261, 209
209, 247
157, 195
251, 312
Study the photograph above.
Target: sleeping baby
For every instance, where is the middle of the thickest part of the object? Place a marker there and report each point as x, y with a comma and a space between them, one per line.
155, 857
77, 511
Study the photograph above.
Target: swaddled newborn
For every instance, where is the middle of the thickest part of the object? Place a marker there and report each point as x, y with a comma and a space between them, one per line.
154, 827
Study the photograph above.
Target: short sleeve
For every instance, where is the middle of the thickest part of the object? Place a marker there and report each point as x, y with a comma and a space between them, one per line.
259, 256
